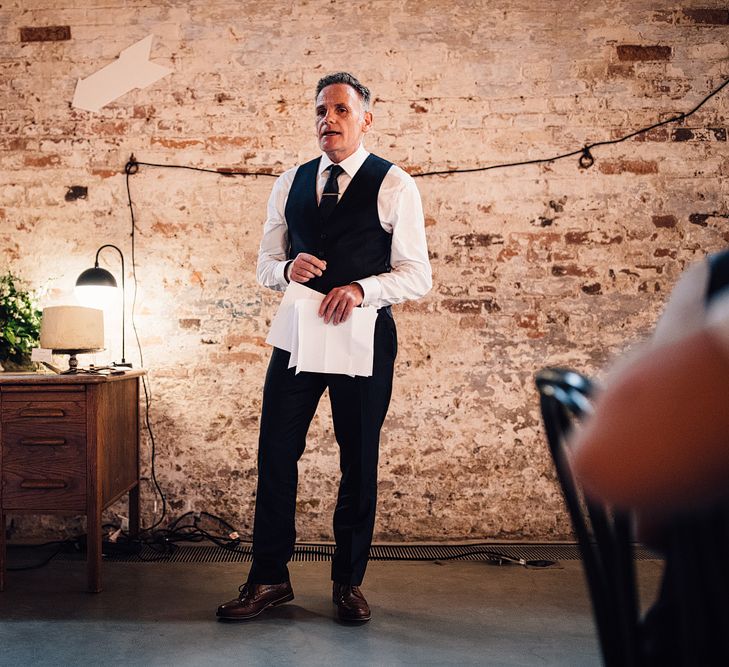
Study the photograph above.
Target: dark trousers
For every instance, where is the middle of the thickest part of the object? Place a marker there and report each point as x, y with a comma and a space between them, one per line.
359, 406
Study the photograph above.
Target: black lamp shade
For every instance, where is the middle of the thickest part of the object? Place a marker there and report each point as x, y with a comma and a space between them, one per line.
96, 277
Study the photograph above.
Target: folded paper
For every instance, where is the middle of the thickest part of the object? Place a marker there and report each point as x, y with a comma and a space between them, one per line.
346, 348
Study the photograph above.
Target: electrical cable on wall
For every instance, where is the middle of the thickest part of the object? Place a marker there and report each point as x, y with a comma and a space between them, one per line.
145, 381
586, 159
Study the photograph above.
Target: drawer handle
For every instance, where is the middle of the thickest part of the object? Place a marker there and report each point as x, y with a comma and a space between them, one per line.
42, 412
46, 442
43, 484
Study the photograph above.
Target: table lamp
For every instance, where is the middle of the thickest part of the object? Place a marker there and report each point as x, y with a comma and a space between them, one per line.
72, 330
94, 285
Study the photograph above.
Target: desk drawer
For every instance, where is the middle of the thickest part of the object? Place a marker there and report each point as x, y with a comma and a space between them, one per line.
44, 440
43, 484
45, 407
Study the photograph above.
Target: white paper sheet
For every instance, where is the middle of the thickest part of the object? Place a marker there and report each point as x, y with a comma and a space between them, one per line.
346, 348
283, 326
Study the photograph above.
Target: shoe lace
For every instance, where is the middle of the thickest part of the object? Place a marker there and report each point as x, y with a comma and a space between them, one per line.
343, 590
242, 590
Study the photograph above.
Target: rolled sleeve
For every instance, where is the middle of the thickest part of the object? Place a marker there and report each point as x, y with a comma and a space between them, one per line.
401, 214
273, 250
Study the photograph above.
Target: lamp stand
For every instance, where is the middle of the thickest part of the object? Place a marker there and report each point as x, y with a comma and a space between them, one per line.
72, 360
123, 362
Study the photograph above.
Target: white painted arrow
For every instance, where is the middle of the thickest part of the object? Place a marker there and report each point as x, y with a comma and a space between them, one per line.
131, 70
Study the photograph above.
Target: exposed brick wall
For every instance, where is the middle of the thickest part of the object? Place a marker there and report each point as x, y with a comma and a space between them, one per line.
534, 266
53, 33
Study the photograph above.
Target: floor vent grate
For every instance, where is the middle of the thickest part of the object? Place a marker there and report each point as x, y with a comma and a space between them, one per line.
312, 552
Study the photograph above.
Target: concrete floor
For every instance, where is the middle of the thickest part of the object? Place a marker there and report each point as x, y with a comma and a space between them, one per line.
455, 613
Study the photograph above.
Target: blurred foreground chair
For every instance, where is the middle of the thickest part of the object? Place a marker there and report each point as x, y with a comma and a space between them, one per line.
604, 536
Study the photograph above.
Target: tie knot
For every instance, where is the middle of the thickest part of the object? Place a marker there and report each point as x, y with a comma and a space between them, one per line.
334, 170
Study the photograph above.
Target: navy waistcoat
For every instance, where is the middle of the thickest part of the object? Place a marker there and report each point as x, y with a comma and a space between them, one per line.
351, 241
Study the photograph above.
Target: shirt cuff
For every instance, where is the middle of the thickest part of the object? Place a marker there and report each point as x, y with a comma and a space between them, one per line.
372, 290
281, 272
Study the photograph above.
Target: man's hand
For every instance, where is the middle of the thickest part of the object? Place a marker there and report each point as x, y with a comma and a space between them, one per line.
305, 267
340, 302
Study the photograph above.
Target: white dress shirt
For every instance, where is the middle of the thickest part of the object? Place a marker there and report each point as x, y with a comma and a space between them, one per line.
401, 215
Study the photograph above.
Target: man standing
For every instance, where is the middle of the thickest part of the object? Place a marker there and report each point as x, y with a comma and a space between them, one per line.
350, 225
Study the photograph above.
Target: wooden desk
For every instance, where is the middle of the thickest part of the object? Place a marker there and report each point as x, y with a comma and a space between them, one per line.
69, 444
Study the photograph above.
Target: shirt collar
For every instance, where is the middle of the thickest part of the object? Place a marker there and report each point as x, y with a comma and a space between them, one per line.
350, 165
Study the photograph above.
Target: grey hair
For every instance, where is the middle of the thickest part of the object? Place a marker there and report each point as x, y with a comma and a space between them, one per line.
346, 78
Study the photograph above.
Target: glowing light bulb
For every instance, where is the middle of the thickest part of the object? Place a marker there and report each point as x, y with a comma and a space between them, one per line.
96, 296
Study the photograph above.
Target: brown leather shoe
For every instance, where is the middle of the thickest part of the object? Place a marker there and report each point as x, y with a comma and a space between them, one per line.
253, 599
351, 604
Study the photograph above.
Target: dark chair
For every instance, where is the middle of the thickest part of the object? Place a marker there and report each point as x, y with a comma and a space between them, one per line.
603, 536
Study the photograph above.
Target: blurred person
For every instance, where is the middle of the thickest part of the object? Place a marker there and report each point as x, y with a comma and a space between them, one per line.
658, 445
659, 437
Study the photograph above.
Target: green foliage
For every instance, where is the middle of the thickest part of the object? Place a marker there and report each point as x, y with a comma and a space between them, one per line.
20, 320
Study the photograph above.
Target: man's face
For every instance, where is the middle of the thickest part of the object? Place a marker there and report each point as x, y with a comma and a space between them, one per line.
340, 121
